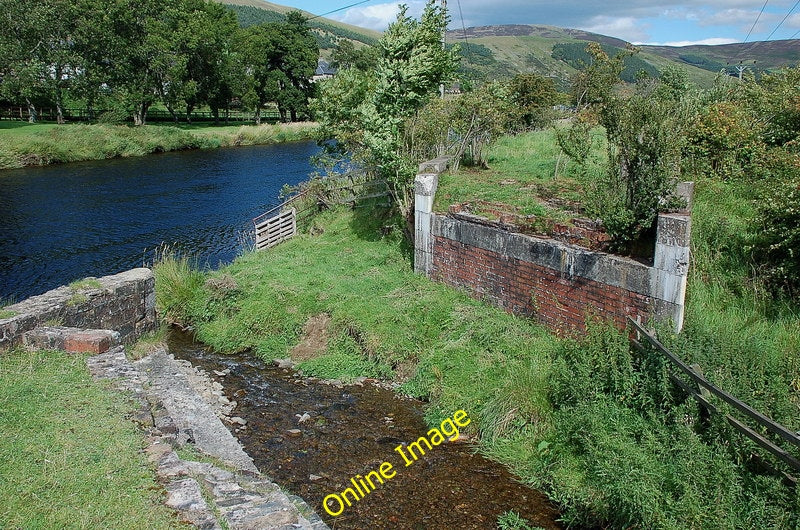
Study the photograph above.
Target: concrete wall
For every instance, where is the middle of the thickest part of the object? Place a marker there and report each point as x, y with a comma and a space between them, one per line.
554, 282
123, 302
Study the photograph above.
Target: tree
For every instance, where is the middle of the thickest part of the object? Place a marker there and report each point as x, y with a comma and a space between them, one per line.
412, 64
346, 55
38, 51
278, 60
533, 97
645, 133
299, 53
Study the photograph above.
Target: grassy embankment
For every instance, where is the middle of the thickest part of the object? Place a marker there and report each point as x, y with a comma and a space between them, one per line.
593, 424
68, 456
23, 144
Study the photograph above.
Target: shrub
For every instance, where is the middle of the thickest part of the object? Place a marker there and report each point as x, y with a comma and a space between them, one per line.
777, 248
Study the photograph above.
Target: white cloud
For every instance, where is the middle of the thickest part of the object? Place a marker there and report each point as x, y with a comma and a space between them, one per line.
627, 28
710, 42
377, 16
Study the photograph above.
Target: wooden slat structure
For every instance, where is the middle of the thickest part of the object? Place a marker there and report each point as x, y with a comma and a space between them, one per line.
276, 229
703, 390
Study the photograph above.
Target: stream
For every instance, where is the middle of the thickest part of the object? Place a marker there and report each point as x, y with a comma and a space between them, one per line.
351, 430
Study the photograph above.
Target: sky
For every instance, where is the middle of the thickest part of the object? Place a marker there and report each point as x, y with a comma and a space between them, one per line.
666, 22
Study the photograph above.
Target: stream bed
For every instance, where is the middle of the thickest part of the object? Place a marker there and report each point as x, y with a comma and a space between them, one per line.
350, 430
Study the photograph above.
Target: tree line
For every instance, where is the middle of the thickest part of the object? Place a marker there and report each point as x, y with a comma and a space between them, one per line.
125, 56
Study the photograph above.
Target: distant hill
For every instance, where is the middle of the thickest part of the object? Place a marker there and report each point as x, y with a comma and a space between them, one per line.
251, 12
497, 52
503, 51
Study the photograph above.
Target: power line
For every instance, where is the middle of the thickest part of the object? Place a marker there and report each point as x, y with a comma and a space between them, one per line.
757, 19
464, 28
784, 19
340, 9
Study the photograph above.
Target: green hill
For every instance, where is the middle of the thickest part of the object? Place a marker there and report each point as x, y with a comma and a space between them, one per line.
251, 12
497, 52
559, 53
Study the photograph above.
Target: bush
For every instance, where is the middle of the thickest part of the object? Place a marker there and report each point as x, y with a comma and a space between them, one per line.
777, 248
625, 451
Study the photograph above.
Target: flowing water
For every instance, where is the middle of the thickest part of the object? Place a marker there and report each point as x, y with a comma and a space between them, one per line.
63, 223
352, 430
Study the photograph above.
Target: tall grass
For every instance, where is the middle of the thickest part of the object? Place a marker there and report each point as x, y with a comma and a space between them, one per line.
177, 285
597, 426
78, 142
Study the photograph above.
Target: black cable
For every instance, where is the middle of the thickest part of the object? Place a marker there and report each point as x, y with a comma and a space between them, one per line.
340, 9
464, 28
756, 22
784, 19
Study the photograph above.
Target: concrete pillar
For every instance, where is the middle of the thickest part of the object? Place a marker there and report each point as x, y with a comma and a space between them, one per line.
671, 261
425, 185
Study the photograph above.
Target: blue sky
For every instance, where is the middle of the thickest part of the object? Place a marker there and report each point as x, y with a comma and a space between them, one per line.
671, 22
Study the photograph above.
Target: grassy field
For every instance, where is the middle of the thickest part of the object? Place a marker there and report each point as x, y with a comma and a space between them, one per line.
68, 456
522, 174
588, 422
23, 144
595, 425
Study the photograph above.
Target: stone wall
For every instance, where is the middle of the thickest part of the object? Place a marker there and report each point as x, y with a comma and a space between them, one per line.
123, 302
557, 283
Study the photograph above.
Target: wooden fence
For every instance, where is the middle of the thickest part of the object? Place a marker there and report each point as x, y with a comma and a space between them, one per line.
276, 229
279, 223
702, 391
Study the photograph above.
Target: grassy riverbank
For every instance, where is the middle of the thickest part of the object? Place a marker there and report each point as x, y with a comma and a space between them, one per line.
68, 456
23, 145
596, 425
584, 421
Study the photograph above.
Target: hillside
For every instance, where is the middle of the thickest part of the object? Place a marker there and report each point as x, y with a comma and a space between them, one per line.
502, 51
496, 52
250, 12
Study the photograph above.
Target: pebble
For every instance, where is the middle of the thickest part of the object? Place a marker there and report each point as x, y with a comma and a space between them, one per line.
304, 418
294, 432
239, 421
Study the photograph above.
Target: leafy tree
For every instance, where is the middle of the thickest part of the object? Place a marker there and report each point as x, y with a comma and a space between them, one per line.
533, 97
37, 51
278, 60
412, 64
346, 55
645, 139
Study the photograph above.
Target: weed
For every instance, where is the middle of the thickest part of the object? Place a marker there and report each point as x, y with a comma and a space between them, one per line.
513, 521
85, 284
147, 344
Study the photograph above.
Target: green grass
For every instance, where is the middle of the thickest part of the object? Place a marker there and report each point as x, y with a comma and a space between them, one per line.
42, 144
522, 175
386, 320
68, 456
597, 427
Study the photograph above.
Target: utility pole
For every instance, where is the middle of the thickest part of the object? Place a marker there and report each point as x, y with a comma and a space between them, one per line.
444, 43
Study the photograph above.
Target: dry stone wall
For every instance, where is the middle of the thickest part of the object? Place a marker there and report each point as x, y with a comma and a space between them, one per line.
125, 303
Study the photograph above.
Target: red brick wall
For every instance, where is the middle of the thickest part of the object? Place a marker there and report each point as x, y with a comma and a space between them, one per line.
524, 288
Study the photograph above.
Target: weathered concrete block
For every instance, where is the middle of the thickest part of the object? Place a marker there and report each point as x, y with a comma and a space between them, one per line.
674, 229
71, 340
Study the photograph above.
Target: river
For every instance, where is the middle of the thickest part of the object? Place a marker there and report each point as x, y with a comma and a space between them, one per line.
66, 222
